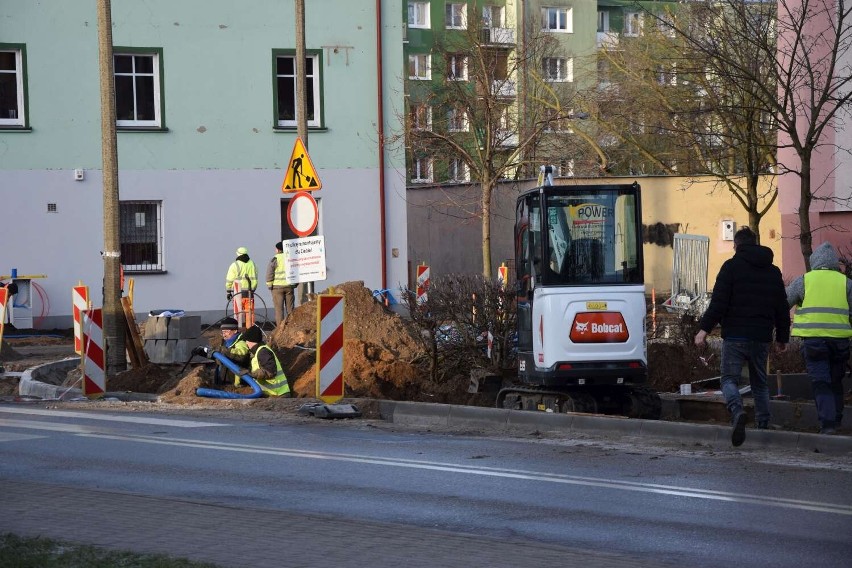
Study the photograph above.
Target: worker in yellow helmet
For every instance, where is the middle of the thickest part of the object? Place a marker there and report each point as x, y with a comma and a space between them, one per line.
244, 271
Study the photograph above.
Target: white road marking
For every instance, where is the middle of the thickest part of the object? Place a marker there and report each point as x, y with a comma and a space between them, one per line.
109, 417
498, 472
12, 437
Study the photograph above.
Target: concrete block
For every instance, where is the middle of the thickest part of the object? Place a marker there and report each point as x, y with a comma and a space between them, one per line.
180, 327
478, 417
528, 421
605, 424
419, 414
171, 351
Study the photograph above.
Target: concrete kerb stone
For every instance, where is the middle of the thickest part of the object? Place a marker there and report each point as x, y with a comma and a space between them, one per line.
420, 414
44, 382
478, 416
522, 422
683, 432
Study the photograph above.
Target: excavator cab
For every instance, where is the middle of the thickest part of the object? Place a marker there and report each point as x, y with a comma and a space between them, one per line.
580, 301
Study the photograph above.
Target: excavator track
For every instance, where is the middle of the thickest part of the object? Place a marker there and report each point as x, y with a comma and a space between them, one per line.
623, 400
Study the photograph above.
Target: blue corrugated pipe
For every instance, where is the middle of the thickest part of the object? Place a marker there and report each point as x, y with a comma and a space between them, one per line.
257, 392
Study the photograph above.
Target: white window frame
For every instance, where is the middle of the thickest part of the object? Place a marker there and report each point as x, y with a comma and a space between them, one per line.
457, 120
558, 69
603, 21
457, 170
557, 19
456, 16
16, 116
633, 24
665, 24
420, 67
456, 67
421, 117
135, 76
418, 15
488, 16
421, 170
313, 78
139, 219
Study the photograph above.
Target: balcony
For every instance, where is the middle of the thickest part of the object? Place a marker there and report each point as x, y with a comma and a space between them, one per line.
607, 40
498, 36
504, 88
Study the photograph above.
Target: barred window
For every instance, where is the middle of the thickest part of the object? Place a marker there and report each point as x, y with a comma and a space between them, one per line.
141, 236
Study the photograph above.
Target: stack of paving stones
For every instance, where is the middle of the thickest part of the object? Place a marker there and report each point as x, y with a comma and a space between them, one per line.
171, 339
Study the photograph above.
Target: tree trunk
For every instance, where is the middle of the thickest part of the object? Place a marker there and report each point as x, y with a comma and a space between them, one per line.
486, 227
805, 200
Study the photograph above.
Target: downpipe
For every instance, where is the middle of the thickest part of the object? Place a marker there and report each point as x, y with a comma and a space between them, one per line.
257, 392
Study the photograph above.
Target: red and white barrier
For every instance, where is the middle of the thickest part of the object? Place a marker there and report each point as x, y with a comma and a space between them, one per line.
503, 275
330, 347
94, 370
4, 297
79, 303
422, 283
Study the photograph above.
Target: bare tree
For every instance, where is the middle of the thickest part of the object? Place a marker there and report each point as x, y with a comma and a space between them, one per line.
663, 106
808, 91
463, 124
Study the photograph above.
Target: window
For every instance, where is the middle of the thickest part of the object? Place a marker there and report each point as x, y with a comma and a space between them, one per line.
457, 120
418, 14
632, 24
457, 170
12, 87
603, 21
667, 74
138, 89
457, 67
421, 117
141, 235
558, 69
420, 66
557, 20
492, 16
665, 24
285, 89
456, 16
421, 170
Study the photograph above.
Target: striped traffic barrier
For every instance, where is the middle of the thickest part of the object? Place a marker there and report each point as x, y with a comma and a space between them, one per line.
330, 347
422, 283
79, 303
94, 374
4, 297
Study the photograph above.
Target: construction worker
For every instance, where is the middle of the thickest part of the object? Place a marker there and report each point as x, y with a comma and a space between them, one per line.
283, 297
265, 366
234, 348
243, 271
823, 297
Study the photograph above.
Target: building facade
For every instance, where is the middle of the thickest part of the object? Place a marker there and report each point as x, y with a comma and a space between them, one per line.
205, 103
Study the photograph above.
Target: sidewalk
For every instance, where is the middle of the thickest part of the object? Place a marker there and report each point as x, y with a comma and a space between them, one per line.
238, 537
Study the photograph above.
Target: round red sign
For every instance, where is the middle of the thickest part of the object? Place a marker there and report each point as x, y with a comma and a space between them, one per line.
302, 214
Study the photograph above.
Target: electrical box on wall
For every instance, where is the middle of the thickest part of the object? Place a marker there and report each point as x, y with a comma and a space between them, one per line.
79, 175
728, 230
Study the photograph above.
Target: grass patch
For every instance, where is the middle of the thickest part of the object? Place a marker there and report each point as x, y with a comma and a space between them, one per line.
18, 552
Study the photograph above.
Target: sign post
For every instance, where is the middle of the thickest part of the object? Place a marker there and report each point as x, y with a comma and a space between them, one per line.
330, 347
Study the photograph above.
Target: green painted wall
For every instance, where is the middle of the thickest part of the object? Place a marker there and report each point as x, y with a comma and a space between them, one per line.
218, 84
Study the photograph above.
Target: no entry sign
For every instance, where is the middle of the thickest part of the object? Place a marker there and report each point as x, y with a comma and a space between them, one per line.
302, 214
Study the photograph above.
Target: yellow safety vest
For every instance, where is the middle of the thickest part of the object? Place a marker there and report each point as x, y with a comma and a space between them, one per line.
243, 272
825, 310
277, 385
279, 278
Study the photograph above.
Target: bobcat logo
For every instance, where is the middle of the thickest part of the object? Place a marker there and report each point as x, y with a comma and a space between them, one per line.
582, 327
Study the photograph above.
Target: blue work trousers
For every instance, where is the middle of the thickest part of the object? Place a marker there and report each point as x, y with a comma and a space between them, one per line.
826, 359
735, 354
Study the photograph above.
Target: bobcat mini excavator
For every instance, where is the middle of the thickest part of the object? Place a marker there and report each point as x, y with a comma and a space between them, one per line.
580, 302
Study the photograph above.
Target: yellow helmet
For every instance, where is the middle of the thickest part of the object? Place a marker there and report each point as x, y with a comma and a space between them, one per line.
242, 251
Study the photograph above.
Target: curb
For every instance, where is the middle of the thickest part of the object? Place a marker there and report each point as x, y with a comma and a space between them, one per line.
500, 420
43, 382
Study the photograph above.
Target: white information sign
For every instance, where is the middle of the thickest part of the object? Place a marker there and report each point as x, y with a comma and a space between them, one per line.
304, 259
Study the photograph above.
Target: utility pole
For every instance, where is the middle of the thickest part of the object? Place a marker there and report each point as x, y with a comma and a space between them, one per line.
114, 337
301, 103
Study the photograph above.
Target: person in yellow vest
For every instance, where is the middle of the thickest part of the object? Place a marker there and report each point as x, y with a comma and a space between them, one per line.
265, 367
823, 300
234, 348
283, 298
244, 271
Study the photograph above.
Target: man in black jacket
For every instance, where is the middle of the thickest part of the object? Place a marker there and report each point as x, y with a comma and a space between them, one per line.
749, 301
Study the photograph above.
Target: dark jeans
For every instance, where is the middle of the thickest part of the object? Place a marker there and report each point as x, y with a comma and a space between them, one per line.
826, 359
735, 353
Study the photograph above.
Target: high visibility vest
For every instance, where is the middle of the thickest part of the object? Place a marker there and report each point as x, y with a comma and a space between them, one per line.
825, 309
277, 385
279, 278
237, 347
243, 272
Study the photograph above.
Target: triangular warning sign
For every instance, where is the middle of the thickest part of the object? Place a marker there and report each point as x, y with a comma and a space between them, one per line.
301, 175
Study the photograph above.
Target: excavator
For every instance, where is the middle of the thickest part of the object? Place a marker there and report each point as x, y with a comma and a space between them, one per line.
580, 302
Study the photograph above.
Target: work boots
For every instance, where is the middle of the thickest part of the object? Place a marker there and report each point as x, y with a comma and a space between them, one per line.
738, 433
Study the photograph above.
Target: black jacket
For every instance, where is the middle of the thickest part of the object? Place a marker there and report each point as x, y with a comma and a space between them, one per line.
749, 299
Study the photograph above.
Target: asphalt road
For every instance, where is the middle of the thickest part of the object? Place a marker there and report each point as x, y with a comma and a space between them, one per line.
598, 502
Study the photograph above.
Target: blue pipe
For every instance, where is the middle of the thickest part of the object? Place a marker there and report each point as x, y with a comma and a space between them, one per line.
257, 392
